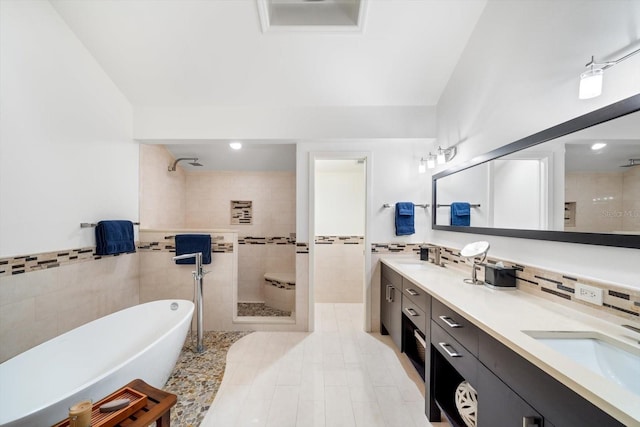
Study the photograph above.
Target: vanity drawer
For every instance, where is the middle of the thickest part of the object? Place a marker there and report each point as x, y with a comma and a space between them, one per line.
460, 328
393, 277
453, 352
415, 314
416, 294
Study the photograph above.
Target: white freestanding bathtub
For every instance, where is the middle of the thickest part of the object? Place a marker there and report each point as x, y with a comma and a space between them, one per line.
38, 386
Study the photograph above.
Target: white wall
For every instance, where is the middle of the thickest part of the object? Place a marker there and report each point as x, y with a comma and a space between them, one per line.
395, 178
284, 123
519, 75
66, 153
340, 201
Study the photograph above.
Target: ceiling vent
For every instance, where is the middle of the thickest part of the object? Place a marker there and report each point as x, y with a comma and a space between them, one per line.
312, 15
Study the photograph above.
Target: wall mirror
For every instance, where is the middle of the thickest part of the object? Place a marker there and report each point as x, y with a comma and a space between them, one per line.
576, 182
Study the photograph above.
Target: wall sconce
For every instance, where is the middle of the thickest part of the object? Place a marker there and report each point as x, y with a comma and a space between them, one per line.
428, 163
445, 155
591, 80
422, 167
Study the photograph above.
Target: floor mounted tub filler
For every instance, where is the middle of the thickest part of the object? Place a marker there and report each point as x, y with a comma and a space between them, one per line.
38, 386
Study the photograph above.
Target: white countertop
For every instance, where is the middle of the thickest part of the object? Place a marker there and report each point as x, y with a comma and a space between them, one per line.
504, 314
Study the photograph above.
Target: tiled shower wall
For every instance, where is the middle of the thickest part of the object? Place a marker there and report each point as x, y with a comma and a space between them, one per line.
267, 243
45, 295
162, 195
339, 269
257, 256
606, 202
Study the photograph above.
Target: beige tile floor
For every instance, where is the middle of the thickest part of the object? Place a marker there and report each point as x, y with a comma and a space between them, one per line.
337, 375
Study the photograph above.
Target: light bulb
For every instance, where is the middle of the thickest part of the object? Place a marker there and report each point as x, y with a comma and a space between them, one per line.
441, 158
431, 162
590, 83
422, 168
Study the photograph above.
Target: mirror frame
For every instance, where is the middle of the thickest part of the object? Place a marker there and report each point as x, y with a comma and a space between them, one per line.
601, 115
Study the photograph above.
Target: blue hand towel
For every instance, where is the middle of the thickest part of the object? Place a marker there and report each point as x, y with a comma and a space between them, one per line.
404, 219
192, 243
461, 214
114, 237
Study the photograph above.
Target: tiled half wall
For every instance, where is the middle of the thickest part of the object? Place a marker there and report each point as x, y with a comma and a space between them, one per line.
556, 286
339, 267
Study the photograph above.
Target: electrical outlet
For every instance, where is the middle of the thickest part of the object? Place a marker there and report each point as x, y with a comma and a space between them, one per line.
589, 294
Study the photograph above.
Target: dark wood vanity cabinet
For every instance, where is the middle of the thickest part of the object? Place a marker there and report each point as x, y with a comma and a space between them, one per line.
502, 407
511, 390
558, 404
391, 305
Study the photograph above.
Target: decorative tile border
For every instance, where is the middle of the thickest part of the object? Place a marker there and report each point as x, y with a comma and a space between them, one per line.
618, 300
302, 248
339, 240
269, 240
281, 284
396, 248
29, 263
241, 212
168, 244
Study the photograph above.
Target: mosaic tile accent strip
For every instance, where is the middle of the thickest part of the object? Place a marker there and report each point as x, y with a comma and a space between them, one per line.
35, 262
268, 240
302, 248
241, 212
339, 240
396, 248
618, 300
281, 284
196, 378
218, 245
260, 309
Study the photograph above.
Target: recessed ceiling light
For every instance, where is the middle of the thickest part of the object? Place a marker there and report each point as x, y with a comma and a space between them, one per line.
235, 145
598, 146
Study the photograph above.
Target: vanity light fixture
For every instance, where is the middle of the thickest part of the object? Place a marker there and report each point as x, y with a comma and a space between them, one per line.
422, 167
446, 154
591, 80
235, 145
431, 161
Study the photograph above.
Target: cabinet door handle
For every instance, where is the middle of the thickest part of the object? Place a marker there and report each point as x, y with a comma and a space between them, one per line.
446, 347
411, 312
392, 293
412, 292
450, 322
531, 422
388, 295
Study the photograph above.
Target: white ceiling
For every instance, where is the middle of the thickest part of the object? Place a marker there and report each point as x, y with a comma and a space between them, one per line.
174, 53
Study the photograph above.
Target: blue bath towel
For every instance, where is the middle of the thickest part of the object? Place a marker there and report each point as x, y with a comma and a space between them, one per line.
461, 214
114, 237
192, 243
404, 219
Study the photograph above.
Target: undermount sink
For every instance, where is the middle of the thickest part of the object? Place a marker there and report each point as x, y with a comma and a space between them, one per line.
413, 264
606, 357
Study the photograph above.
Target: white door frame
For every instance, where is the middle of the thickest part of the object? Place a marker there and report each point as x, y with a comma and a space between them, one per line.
339, 155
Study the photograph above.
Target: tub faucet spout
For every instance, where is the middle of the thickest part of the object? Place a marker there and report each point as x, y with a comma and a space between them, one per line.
198, 275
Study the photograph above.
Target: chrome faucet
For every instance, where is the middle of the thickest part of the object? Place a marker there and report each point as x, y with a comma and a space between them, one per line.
198, 275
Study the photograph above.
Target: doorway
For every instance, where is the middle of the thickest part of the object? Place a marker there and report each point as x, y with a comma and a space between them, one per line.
339, 249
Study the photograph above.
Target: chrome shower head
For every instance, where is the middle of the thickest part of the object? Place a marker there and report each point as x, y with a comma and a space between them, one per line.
632, 162
193, 162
